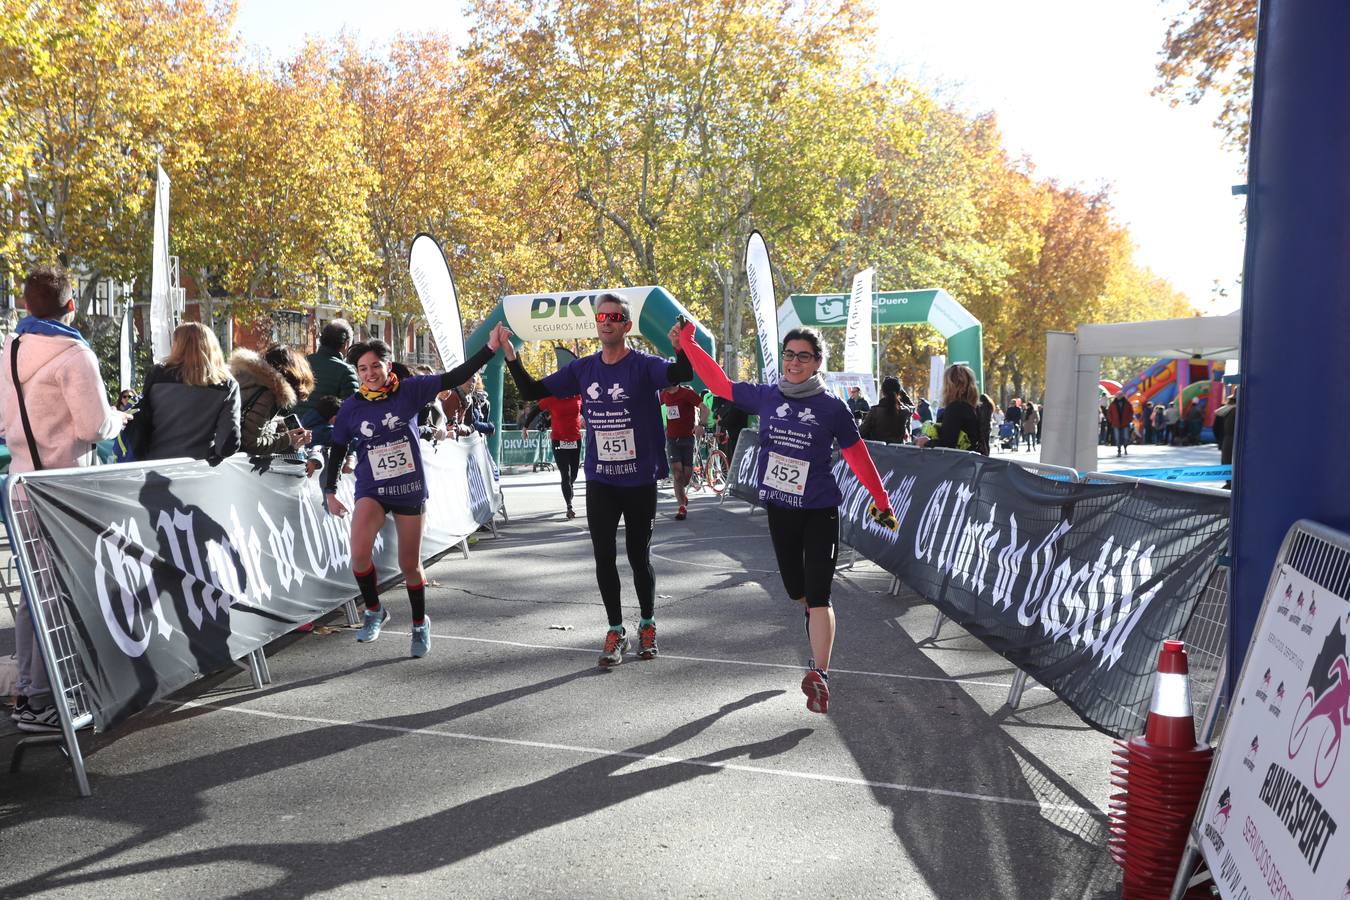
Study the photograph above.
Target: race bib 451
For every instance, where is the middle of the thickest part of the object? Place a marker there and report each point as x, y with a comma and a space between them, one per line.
616, 445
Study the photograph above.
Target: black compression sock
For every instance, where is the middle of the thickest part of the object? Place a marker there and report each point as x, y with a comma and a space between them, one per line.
370, 588
417, 596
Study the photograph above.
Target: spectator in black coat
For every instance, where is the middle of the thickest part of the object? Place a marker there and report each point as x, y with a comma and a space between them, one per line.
192, 400
1225, 430
731, 420
857, 403
958, 427
985, 408
889, 420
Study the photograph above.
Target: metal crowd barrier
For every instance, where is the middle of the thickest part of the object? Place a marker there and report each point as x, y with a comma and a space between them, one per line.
47, 606
1206, 634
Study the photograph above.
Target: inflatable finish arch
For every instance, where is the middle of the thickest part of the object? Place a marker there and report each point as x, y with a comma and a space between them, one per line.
965, 336
570, 315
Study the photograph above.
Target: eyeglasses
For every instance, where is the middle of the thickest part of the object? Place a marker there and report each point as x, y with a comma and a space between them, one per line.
804, 356
611, 317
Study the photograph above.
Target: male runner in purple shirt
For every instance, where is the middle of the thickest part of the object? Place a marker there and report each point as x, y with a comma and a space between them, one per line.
625, 456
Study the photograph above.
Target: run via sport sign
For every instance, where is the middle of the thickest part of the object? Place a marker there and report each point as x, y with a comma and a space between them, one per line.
1275, 821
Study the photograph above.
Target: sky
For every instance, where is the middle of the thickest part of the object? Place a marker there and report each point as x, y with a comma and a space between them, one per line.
1069, 80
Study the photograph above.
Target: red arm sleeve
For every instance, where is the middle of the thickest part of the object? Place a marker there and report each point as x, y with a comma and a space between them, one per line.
705, 367
860, 461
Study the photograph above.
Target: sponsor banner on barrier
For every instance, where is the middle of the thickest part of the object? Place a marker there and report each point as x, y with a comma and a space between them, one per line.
1076, 584
170, 572
1276, 819
741, 482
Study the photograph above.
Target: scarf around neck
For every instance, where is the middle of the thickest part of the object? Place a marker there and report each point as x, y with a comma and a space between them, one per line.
389, 389
808, 388
49, 327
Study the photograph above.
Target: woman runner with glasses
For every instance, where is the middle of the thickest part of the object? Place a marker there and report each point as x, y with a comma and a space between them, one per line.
799, 421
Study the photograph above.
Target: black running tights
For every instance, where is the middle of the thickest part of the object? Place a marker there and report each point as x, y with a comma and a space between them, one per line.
605, 504
569, 461
806, 542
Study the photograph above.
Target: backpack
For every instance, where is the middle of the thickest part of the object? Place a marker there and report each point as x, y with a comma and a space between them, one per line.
133, 442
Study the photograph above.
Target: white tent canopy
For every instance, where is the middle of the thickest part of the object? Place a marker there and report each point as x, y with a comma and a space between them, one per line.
1073, 367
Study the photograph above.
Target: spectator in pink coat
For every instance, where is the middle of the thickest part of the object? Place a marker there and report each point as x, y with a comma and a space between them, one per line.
68, 411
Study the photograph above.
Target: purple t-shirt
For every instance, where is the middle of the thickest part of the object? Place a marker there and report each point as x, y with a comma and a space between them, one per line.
796, 438
625, 437
389, 452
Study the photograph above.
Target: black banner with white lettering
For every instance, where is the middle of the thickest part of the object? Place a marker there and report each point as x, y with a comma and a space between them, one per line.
170, 571
1076, 584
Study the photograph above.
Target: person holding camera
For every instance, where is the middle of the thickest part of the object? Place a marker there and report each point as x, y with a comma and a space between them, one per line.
271, 385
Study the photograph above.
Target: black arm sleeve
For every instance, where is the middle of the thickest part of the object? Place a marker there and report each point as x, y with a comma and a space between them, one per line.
681, 370
529, 388
336, 453
465, 370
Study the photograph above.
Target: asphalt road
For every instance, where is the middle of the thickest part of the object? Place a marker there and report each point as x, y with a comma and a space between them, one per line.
506, 764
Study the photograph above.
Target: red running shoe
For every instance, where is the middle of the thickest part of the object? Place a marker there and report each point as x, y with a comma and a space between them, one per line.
682, 513
816, 687
647, 642
616, 644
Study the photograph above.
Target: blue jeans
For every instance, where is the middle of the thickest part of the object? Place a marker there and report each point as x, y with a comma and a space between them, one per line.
1122, 437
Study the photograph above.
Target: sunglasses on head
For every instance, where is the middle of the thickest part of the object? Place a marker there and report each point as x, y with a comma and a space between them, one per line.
804, 356
610, 317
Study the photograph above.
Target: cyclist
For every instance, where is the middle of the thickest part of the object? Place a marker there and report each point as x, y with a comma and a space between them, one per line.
381, 417
624, 458
799, 421
686, 417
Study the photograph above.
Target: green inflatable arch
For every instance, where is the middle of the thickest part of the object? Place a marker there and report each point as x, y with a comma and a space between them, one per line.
965, 337
570, 315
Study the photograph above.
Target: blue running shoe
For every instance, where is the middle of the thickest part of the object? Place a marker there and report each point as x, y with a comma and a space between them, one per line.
421, 638
372, 620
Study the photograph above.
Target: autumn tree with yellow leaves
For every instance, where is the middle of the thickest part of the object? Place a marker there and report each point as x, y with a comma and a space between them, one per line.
569, 144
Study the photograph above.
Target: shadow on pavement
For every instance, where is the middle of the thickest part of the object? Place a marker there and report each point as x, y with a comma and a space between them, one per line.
422, 844
934, 735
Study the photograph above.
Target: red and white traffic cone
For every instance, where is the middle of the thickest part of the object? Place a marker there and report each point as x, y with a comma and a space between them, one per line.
1161, 776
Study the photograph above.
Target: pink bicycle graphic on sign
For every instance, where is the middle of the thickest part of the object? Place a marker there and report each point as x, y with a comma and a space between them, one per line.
1334, 706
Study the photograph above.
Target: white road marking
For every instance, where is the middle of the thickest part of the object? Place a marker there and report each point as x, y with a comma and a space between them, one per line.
646, 757
730, 662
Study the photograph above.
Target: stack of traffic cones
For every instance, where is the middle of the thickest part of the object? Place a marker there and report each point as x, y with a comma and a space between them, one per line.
1160, 777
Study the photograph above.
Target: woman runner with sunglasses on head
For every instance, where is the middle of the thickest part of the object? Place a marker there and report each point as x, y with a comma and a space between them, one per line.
382, 418
799, 421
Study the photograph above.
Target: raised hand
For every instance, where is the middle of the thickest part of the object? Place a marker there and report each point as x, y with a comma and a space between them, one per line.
883, 517
674, 335
508, 349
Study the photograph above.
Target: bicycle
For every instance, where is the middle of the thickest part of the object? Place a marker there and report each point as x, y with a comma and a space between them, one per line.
710, 463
